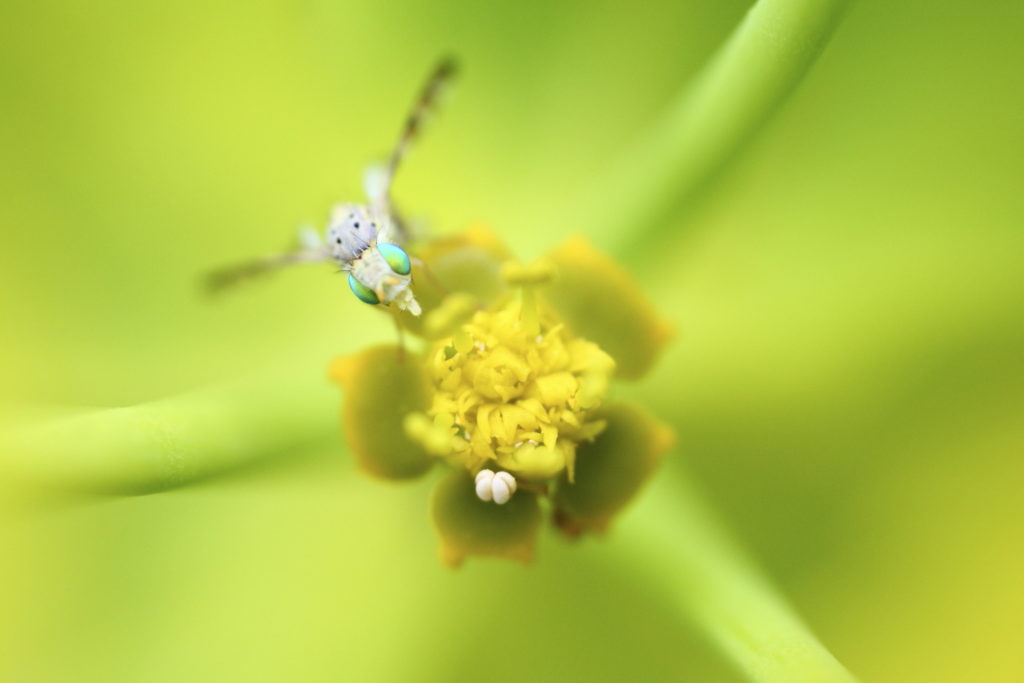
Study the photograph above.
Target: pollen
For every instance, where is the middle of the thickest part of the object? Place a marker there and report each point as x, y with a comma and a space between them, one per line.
509, 396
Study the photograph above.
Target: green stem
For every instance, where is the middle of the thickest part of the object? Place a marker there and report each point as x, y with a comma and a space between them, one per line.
713, 117
674, 543
170, 442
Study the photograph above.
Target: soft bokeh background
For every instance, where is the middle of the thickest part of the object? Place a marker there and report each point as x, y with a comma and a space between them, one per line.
848, 383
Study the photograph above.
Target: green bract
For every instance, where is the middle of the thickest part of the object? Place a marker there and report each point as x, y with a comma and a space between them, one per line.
610, 470
469, 526
383, 386
600, 301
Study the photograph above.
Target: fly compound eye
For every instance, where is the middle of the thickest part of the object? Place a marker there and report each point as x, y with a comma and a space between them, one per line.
396, 258
362, 292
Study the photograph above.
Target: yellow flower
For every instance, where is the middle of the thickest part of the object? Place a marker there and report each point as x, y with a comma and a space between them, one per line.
512, 391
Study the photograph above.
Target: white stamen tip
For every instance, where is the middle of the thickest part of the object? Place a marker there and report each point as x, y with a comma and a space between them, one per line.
497, 487
509, 480
484, 488
500, 492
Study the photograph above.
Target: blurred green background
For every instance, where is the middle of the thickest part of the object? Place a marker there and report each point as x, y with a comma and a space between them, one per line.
848, 381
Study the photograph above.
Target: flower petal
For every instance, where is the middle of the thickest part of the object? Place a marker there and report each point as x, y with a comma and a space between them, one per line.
611, 469
382, 385
469, 526
601, 302
467, 263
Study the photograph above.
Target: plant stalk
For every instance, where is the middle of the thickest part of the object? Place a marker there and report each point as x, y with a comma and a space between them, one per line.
675, 544
170, 442
712, 119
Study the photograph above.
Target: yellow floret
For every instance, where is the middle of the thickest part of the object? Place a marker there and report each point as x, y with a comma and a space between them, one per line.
513, 388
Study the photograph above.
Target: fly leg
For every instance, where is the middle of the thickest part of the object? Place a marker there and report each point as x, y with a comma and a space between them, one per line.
225, 278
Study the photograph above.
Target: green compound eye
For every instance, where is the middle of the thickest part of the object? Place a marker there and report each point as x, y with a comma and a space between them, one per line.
396, 257
362, 292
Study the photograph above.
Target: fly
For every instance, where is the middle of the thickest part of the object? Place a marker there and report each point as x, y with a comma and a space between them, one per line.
364, 240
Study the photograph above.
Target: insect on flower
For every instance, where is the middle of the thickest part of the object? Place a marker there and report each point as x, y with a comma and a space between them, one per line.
513, 392
364, 240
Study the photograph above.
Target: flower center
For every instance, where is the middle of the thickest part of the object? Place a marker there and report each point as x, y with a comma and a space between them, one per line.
513, 388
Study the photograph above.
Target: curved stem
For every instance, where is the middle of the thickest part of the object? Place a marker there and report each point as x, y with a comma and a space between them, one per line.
674, 543
728, 102
170, 442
